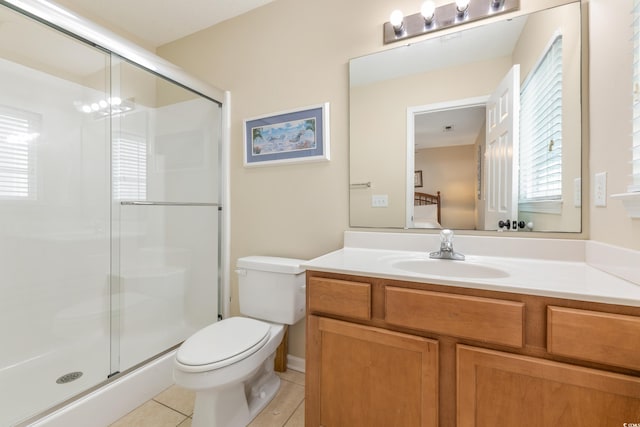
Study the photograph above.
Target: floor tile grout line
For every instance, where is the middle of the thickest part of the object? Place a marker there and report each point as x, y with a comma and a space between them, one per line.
298, 406
182, 422
173, 409
292, 412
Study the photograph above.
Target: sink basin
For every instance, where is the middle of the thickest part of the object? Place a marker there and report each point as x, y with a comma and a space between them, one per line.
462, 269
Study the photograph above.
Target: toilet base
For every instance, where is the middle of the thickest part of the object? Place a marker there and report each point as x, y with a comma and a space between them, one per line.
238, 404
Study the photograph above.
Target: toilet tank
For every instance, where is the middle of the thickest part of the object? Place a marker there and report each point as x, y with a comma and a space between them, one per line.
271, 288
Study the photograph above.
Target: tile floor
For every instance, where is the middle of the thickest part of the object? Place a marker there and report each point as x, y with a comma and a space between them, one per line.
174, 407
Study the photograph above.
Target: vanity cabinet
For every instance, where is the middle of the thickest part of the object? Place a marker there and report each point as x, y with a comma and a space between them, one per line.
370, 376
501, 389
384, 352
364, 375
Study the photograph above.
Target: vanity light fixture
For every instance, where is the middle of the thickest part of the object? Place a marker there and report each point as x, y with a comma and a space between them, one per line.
432, 18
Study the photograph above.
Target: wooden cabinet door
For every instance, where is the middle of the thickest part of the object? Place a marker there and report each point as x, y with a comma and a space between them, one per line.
364, 376
501, 389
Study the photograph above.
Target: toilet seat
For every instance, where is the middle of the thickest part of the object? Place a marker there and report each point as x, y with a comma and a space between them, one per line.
222, 344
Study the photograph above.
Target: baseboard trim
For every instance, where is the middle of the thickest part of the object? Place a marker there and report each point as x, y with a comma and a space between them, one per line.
295, 363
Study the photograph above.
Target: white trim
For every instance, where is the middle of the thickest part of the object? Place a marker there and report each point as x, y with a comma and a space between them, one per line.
295, 363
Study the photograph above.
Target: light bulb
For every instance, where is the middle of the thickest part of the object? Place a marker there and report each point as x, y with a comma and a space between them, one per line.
462, 5
428, 10
396, 20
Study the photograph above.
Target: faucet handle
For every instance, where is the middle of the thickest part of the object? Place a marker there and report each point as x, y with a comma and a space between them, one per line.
446, 236
446, 247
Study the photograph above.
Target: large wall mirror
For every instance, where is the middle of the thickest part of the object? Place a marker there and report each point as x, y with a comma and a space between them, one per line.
477, 130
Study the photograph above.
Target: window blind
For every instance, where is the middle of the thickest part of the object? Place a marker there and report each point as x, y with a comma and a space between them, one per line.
129, 167
19, 131
541, 128
635, 146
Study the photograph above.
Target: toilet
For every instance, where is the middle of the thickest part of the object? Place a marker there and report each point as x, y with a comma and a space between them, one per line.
229, 364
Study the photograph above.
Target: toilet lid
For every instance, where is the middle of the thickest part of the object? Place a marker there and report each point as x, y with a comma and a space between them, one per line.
223, 343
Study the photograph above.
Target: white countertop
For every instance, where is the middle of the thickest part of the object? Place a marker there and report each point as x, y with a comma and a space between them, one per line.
575, 280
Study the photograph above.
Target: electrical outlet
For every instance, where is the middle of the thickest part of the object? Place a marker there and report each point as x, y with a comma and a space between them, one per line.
600, 189
379, 201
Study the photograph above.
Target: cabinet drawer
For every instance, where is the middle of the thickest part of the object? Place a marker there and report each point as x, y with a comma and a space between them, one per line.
612, 339
484, 319
339, 297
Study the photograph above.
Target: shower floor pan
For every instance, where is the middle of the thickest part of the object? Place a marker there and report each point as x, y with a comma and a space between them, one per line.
31, 387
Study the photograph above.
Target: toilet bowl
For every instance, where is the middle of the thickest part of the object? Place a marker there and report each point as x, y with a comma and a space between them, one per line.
229, 364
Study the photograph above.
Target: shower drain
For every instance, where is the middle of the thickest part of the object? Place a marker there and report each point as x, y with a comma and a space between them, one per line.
67, 378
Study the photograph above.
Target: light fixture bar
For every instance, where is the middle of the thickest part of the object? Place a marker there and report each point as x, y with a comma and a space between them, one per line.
447, 16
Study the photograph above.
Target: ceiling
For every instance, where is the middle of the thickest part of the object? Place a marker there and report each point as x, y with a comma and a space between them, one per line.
153, 23
446, 128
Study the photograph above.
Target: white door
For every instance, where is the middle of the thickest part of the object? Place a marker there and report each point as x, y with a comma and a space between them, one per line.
501, 153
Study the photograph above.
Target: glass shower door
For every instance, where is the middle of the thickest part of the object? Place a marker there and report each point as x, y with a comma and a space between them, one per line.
165, 186
54, 217
109, 191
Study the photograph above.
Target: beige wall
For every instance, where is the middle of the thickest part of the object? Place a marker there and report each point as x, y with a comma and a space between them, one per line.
293, 53
610, 118
452, 171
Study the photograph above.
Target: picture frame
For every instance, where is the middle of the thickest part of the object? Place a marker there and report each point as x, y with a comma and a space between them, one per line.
300, 135
417, 179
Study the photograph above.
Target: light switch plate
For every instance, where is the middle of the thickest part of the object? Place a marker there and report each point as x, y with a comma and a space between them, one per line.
379, 201
600, 189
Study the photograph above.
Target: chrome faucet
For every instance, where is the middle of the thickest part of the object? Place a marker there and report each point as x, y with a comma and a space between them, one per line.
446, 247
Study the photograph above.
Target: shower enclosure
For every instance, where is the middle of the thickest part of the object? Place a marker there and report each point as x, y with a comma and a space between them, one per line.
110, 190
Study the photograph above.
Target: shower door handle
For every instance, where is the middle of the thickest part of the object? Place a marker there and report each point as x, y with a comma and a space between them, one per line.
146, 203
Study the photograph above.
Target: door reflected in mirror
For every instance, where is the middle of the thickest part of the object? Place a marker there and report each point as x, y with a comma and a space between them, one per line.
447, 117
447, 143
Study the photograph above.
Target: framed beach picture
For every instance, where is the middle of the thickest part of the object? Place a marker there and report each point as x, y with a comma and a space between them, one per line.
287, 137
